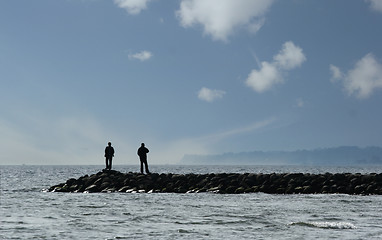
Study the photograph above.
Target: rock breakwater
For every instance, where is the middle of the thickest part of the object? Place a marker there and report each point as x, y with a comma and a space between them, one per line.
225, 183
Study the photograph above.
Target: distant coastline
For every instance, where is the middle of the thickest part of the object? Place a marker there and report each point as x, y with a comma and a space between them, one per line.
344, 155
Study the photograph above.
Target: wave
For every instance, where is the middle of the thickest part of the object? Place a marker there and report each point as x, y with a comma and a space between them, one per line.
326, 225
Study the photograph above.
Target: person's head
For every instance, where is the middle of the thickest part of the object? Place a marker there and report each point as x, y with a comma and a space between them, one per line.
109, 143
142, 144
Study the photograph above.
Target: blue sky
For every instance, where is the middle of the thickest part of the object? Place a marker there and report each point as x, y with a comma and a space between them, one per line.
186, 77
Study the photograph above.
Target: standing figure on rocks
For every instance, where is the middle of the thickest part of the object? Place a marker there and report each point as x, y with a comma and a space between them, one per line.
109, 154
142, 153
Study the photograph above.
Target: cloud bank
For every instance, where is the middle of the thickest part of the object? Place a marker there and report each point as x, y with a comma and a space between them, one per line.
269, 74
47, 140
362, 80
133, 7
142, 56
219, 18
210, 95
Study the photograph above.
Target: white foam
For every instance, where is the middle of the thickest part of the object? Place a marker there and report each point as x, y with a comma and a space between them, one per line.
327, 225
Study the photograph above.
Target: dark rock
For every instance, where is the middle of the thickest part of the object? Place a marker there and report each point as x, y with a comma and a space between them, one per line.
71, 181
280, 190
308, 189
214, 189
325, 189
359, 189
92, 188
298, 190
230, 189
239, 190
290, 189
228, 183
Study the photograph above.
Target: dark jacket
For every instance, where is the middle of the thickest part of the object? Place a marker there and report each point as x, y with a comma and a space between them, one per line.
142, 151
109, 151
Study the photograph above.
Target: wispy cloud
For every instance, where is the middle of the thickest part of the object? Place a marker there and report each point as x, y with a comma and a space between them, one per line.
172, 152
269, 74
220, 18
142, 56
363, 79
241, 130
375, 5
210, 95
133, 7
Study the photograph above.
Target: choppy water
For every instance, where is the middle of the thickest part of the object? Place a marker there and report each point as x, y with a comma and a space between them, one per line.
28, 213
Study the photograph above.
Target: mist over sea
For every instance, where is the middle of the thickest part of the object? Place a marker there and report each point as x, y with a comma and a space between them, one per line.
26, 212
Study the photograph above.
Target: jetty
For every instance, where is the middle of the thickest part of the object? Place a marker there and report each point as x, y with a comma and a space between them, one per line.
107, 181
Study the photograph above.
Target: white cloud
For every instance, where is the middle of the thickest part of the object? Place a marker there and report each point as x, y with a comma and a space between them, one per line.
133, 7
142, 56
220, 18
363, 79
336, 73
263, 79
209, 95
291, 56
375, 5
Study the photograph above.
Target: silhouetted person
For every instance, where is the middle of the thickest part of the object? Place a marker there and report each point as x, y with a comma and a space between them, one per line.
142, 153
109, 154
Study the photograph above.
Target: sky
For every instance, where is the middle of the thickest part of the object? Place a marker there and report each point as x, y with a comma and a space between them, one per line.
186, 77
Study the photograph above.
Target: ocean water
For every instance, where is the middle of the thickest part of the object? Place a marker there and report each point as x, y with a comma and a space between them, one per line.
27, 212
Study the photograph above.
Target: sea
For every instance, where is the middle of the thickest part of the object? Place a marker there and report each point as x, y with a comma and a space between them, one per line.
29, 212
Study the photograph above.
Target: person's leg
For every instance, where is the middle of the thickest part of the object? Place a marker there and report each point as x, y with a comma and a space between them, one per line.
146, 166
106, 163
111, 160
141, 166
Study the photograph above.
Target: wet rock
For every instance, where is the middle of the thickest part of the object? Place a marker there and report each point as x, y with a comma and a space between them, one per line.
240, 190
92, 188
124, 189
231, 189
227, 183
359, 189
308, 189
